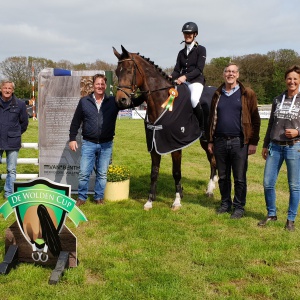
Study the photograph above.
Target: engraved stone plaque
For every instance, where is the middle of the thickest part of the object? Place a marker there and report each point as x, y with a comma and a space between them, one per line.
59, 92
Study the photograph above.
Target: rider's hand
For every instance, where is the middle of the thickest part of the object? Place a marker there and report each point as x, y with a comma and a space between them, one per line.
181, 79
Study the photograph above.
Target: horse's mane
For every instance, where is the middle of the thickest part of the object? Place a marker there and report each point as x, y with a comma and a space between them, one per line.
163, 74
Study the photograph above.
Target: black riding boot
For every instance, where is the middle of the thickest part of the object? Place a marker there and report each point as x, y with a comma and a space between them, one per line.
198, 112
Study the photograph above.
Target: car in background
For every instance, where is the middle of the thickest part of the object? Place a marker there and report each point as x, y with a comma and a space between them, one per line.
29, 107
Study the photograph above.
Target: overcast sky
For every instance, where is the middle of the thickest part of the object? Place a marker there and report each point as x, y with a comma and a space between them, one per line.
86, 30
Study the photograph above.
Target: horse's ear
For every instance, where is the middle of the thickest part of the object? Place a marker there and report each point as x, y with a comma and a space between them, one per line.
117, 54
125, 52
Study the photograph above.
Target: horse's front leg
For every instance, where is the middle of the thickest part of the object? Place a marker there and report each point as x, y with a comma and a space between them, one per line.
176, 170
155, 164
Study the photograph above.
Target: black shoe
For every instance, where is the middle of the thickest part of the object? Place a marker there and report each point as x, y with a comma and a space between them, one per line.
289, 225
223, 210
237, 214
266, 220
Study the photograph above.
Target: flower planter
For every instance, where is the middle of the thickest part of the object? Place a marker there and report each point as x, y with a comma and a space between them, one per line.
115, 191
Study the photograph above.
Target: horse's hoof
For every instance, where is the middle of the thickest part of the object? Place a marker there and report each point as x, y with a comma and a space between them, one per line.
148, 206
175, 207
209, 195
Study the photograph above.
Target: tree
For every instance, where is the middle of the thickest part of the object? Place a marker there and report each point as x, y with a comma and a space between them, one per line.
220, 62
15, 69
256, 72
281, 60
19, 70
213, 71
81, 67
263, 72
64, 64
39, 63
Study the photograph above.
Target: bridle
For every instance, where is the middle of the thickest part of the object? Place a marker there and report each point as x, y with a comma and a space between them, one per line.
133, 87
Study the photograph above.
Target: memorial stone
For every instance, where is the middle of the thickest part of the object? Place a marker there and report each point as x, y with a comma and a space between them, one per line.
59, 92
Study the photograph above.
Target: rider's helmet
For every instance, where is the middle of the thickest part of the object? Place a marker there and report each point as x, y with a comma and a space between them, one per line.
190, 27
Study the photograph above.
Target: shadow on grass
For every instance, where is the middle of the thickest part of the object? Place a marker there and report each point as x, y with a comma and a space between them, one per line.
193, 190
193, 193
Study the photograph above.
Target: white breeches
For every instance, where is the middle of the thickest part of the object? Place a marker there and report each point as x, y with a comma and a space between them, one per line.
196, 92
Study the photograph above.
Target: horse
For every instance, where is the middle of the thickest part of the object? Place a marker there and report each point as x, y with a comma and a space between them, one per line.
135, 74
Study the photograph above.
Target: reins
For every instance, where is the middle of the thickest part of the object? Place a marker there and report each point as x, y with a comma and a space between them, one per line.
134, 86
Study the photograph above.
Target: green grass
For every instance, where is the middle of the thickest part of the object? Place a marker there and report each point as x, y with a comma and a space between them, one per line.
128, 253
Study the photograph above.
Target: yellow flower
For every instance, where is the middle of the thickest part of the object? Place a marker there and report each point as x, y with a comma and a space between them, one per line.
117, 173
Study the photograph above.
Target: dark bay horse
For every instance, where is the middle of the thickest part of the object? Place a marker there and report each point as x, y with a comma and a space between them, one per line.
138, 74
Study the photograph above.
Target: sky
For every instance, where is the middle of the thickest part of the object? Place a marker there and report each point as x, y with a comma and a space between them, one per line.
86, 30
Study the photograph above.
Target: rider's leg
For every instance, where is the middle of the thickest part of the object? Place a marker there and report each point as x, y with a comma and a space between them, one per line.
196, 91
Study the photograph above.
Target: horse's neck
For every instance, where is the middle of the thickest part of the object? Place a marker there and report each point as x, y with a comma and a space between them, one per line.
159, 93
154, 104
154, 108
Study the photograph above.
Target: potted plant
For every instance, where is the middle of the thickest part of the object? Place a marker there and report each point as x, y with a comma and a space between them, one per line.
117, 186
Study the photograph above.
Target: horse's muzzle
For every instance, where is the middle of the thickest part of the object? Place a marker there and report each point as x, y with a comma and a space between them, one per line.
123, 102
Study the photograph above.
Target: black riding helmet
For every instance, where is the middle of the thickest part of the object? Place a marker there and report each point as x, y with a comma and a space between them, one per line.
190, 27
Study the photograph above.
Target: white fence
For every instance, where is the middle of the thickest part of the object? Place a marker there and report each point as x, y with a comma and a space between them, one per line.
34, 161
264, 111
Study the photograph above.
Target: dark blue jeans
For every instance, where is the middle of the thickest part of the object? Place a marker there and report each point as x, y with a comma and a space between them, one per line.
232, 154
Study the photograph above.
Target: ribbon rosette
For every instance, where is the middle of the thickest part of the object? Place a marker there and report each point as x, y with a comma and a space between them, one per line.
168, 104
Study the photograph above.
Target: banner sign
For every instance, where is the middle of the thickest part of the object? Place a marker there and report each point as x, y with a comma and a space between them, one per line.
41, 207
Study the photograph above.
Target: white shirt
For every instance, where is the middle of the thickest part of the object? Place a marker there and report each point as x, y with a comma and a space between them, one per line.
189, 47
97, 104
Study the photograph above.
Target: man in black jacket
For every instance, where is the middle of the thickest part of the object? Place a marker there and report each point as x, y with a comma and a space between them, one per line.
97, 113
13, 123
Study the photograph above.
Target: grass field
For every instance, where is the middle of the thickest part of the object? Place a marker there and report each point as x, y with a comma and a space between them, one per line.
128, 253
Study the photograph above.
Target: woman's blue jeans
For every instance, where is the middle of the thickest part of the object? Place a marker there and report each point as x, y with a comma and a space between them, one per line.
291, 156
11, 168
97, 157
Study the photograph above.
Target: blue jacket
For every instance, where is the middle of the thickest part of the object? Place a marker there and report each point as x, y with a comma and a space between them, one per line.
97, 127
13, 122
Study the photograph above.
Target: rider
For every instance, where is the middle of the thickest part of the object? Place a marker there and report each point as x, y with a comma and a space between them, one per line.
189, 68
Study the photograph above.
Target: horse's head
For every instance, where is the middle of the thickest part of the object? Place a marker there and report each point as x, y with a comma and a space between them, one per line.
129, 77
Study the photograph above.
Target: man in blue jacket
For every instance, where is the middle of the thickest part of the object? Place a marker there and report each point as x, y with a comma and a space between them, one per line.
97, 114
13, 123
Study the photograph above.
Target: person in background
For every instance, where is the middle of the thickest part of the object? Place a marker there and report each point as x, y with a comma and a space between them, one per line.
97, 114
282, 143
189, 68
13, 123
234, 134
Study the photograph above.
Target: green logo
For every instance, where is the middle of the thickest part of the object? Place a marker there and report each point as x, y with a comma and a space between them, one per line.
41, 207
